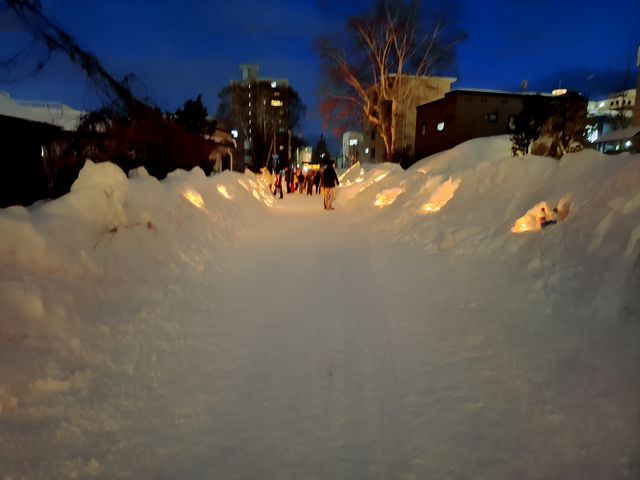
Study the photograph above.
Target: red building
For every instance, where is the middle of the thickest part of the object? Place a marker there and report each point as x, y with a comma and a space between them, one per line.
465, 114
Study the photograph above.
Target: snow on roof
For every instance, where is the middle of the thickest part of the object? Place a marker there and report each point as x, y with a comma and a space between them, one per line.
499, 92
53, 113
618, 135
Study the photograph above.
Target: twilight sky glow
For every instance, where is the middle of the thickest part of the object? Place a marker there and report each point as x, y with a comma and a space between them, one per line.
180, 48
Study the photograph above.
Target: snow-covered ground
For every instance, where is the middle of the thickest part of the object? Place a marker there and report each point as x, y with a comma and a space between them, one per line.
195, 328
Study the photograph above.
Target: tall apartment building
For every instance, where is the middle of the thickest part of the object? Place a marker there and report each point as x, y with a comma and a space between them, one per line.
417, 90
260, 120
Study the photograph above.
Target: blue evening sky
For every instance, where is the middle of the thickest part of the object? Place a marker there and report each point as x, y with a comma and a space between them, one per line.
180, 48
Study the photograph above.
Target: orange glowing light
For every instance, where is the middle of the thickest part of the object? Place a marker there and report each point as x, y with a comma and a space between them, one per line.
380, 177
194, 197
440, 197
388, 196
223, 191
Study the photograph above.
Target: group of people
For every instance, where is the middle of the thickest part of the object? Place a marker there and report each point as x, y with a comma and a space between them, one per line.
326, 179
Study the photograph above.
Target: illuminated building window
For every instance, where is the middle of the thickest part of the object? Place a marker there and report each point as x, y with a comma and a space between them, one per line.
492, 117
440, 126
276, 103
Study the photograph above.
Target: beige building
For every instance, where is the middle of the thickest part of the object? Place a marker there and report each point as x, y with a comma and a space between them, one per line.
418, 90
636, 110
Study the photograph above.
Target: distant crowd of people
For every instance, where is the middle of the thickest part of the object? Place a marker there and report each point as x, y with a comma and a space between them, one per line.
322, 181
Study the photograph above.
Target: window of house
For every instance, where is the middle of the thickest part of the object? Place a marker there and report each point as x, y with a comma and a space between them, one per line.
492, 117
512, 122
373, 134
373, 153
440, 126
483, 100
423, 129
468, 99
504, 101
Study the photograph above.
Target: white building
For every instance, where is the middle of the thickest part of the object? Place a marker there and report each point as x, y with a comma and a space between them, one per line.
352, 149
53, 113
618, 103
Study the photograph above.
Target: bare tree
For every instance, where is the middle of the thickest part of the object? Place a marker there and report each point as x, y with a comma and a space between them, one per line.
54, 38
367, 73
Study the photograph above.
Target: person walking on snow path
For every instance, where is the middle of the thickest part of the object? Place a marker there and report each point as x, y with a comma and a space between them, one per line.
329, 183
277, 184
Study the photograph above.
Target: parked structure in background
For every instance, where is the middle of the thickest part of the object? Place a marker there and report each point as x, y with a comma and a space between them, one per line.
352, 149
465, 114
223, 150
612, 113
304, 157
626, 139
260, 116
36, 149
420, 90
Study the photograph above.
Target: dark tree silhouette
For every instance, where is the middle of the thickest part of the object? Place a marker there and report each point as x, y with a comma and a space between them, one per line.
194, 117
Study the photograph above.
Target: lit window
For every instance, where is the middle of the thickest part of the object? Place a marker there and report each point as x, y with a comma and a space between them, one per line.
423, 129
276, 103
492, 117
274, 84
366, 150
440, 126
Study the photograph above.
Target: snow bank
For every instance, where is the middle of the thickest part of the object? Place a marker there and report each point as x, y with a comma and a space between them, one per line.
471, 200
110, 234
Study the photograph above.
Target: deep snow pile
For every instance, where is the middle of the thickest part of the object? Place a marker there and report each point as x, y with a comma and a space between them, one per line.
468, 201
61, 261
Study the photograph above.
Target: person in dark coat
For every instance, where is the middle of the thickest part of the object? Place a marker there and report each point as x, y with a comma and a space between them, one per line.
287, 179
277, 184
316, 181
329, 183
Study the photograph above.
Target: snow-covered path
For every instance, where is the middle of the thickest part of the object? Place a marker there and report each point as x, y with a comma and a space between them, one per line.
211, 337
350, 357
